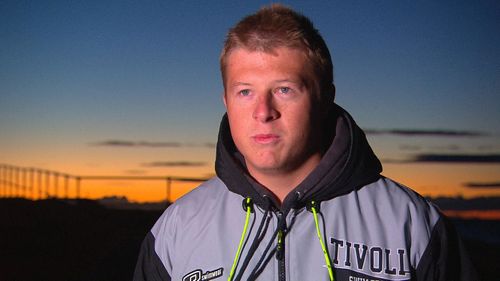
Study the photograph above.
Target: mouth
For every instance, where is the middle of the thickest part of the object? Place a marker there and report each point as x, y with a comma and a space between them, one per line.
266, 138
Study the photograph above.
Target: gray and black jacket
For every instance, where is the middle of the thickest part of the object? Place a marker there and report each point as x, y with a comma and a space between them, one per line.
373, 228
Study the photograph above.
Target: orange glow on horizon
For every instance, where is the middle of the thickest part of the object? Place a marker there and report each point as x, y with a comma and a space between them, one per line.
438, 180
137, 191
433, 180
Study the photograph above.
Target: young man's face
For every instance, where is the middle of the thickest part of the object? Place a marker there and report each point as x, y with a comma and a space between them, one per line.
272, 109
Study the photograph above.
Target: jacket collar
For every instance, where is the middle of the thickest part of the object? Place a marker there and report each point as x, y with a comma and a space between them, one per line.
348, 164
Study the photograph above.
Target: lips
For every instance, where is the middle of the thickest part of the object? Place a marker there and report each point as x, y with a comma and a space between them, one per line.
266, 138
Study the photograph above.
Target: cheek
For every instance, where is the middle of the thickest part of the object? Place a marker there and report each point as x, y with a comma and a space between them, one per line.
301, 124
300, 114
237, 125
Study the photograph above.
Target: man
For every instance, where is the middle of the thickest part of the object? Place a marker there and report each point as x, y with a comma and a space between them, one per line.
315, 206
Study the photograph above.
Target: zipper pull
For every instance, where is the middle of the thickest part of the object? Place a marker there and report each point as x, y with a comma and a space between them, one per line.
280, 248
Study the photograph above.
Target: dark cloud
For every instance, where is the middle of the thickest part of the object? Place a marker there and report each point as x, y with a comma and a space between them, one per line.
115, 143
126, 143
458, 158
459, 203
489, 185
449, 158
410, 147
451, 147
395, 161
424, 132
174, 164
415, 148
159, 144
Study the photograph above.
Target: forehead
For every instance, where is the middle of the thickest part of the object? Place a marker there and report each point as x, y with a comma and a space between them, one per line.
238, 55
279, 61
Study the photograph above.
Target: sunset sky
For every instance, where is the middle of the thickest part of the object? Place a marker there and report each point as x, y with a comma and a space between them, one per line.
133, 88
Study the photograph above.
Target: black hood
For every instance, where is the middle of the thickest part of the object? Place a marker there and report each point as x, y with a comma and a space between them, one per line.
348, 164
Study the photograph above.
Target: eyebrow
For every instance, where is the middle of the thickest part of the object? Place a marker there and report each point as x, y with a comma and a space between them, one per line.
235, 84
288, 81
299, 83
275, 81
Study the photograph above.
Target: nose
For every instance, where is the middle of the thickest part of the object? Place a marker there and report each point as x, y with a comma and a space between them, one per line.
265, 109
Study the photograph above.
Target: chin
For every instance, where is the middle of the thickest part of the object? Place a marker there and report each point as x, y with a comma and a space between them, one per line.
264, 167
269, 169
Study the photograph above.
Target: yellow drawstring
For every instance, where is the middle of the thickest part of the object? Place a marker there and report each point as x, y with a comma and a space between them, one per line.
236, 258
325, 253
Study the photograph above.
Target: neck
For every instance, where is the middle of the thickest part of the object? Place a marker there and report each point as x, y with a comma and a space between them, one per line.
280, 183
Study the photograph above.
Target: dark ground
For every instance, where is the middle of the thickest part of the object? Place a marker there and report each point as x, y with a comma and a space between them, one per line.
82, 240
55, 240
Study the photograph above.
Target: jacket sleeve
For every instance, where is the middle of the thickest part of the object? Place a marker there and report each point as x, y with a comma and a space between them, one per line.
445, 257
149, 266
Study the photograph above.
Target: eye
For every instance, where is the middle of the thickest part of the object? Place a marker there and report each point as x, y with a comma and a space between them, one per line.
244, 92
284, 90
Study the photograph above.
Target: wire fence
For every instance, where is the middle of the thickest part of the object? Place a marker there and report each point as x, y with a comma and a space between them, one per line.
36, 184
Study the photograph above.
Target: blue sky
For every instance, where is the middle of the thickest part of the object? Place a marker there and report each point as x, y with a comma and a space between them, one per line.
76, 73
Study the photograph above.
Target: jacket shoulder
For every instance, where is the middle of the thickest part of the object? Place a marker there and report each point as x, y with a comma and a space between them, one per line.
194, 205
394, 198
397, 213
158, 251
438, 252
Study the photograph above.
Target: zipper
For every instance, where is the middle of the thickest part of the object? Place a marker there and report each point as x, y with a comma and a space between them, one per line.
280, 247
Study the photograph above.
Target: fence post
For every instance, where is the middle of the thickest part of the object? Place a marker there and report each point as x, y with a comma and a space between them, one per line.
78, 180
56, 184
40, 187
18, 182
66, 184
12, 181
25, 182
47, 184
32, 183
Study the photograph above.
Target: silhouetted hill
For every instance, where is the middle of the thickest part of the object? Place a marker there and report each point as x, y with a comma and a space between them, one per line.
83, 240
121, 202
77, 240
459, 203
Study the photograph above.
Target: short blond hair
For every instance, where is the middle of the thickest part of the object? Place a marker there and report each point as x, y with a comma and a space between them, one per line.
279, 26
